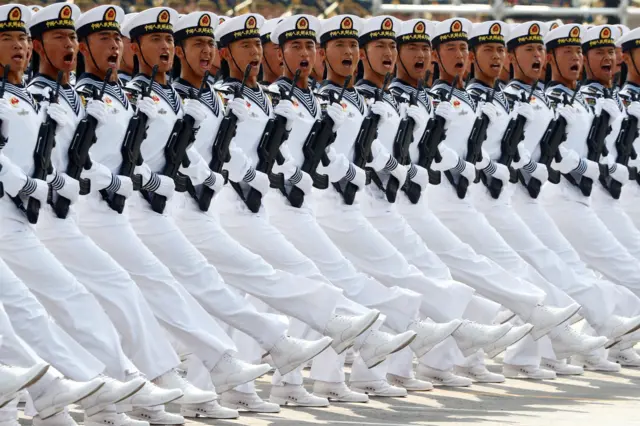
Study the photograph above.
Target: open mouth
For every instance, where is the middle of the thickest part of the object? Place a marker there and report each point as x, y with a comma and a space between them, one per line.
17, 57
606, 68
164, 57
459, 65
496, 67
347, 62
387, 64
536, 66
68, 58
205, 63
575, 68
419, 65
304, 64
254, 64
112, 60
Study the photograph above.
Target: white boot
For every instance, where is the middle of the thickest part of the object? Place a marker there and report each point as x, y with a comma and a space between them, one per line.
63, 392
112, 418
441, 377
595, 363
156, 416
296, 395
190, 393
344, 329
567, 342
503, 317
429, 334
561, 368
377, 345
617, 327
14, 379
337, 392
289, 353
230, 372
544, 318
247, 402
480, 374
471, 336
379, 388
512, 337
626, 358
532, 372
411, 384
63, 418
150, 396
210, 410
111, 393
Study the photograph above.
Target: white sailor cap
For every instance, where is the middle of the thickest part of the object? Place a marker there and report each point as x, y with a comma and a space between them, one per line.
630, 40
564, 35
340, 26
295, 27
378, 28
239, 28
101, 18
151, 21
267, 28
552, 25
454, 29
622, 30
488, 32
34, 8
600, 36
56, 16
126, 24
531, 32
415, 31
195, 24
14, 17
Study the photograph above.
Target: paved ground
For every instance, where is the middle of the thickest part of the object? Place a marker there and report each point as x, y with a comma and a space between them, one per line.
592, 399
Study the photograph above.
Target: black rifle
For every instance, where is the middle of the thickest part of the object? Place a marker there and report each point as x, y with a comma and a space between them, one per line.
42, 154
274, 135
3, 139
401, 146
624, 146
220, 149
474, 146
175, 154
428, 146
79, 160
133, 138
509, 148
320, 137
549, 148
364, 140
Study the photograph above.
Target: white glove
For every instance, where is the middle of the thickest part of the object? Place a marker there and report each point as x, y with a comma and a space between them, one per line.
167, 186
337, 114
420, 175
569, 113
490, 111
383, 109
359, 176
634, 109
400, 173
539, 171
305, 183
592, 170
420, 118
238, 107
466, 169
40, 191
610, 106
338, 166
195, 109
380, 156
620, 173
525, 157
6, 113
446, 111
65, 186
449, 159
260, 182
58, 113
215, 181
286, 109
497, 171
98, 110
126, 186
570, 160
148, 107
526, 110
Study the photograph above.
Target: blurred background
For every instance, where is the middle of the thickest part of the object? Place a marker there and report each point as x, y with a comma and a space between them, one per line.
582, 11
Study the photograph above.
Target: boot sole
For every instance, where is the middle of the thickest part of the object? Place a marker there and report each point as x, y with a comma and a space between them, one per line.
290, 367
227, 387
537, 335
91, 411
285, 402
380, 359
30, 382
343, 346
52, 411
426, 349
495, 353
190, 414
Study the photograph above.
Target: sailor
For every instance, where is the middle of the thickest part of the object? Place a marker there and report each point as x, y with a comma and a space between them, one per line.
271, 56
127, 63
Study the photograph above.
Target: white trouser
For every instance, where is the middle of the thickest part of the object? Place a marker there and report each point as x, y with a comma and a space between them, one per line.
34, 325
257, 234
300, 227
143, 340
630, 201
590, 237
443, 299
596, 296
250, 273
172, 305
614, 217
438, 226
75, 309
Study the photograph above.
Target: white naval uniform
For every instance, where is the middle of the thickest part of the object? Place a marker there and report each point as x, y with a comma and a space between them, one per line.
143, 339
631, 192
574, 216
171, 304
73, 307
608, 209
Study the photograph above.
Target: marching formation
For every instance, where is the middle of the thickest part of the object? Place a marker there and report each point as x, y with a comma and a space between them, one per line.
188, 199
